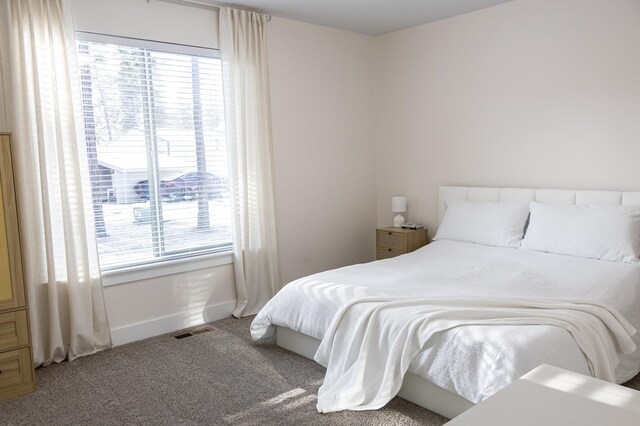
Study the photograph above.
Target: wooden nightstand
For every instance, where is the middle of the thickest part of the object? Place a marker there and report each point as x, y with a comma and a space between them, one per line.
392, 242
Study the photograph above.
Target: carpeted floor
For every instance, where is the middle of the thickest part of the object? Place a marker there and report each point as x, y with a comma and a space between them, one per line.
215, 378
219, 377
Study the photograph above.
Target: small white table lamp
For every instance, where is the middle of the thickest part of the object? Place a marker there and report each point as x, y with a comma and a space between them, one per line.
398, 205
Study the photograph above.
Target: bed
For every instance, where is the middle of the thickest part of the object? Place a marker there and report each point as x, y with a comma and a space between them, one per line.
464, 365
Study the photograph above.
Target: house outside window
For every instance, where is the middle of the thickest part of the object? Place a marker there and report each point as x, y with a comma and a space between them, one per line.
154, 125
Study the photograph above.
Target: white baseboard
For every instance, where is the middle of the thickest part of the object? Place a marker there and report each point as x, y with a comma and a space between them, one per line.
163, 325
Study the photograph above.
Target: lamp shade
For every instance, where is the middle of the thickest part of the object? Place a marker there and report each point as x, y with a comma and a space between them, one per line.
398, 204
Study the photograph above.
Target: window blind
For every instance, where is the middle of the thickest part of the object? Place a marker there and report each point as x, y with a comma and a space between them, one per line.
154, 125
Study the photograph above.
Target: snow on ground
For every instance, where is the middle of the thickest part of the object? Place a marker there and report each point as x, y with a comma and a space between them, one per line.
130, 237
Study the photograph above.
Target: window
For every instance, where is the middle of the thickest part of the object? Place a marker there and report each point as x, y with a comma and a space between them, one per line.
154, 125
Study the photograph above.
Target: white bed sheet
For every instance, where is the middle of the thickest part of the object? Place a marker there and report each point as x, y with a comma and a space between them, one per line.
472, 361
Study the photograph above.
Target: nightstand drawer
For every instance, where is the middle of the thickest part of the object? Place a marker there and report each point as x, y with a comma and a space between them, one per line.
13, 330
15, 373
392, 240
386, 253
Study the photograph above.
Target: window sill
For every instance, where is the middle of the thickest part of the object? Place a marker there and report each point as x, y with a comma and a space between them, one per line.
171, 267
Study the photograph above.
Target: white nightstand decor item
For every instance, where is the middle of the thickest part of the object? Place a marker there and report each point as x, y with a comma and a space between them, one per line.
398, 205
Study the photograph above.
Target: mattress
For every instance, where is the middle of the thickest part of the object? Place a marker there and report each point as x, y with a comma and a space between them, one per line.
471, 361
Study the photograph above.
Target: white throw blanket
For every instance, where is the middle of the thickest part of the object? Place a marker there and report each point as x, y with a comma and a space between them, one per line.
371, 341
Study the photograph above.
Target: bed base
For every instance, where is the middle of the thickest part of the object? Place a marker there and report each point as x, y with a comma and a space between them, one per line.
414, 389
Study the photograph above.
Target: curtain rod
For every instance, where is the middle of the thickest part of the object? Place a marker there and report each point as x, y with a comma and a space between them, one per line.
211, 5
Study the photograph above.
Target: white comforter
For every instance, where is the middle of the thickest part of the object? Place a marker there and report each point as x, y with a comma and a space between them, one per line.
472, 361
371, 341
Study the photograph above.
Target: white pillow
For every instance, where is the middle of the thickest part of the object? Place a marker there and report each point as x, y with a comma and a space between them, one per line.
492, 223
595, 232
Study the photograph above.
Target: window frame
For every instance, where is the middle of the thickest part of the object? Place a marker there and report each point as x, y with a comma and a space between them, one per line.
160, 46
170, 263
165, 268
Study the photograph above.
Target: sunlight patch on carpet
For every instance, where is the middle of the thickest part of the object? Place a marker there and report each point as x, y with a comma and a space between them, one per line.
291, 399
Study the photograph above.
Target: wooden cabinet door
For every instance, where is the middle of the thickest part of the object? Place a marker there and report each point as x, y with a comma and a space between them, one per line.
11, 290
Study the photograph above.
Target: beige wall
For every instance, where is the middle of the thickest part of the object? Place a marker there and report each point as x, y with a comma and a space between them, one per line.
321, 81
541, 93
147, 307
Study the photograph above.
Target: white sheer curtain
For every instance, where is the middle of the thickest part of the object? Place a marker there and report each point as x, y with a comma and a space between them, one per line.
248, 126
41, 89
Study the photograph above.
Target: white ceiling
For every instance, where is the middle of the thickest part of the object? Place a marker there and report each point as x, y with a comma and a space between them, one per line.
367, 16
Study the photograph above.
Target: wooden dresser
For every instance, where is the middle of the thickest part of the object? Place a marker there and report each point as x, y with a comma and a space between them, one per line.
17, 376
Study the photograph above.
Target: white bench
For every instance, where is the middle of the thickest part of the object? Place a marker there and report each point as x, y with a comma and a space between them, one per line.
551, 396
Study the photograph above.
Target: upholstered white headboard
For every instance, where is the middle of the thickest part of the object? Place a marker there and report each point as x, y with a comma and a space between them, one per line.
556, 196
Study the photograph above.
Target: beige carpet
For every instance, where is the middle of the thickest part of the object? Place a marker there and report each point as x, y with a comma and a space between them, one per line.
215, 378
